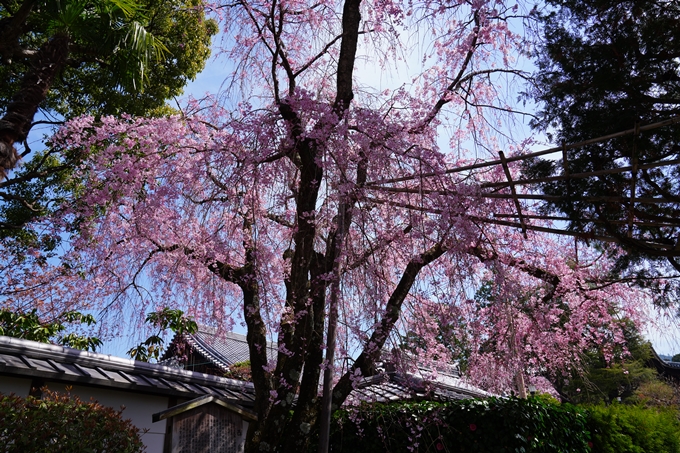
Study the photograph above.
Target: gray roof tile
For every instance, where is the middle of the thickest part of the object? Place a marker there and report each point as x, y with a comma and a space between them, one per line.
394, 386
223, 349
56, 363
226, 348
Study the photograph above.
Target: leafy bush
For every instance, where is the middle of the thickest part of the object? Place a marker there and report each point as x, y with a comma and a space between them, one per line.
537, 424
491, 425
240, 371
29, 326
620, 428
63, 424
657, 393
603, 379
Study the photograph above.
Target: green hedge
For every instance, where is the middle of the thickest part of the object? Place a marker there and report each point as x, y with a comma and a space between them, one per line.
63, 424
491, 425
621, 428
504, 425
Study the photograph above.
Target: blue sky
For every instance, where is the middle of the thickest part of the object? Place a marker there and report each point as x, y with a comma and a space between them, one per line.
665, 335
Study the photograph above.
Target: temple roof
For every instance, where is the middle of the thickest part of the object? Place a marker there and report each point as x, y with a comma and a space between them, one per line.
394, 386
227, 348
223, 349
24, 358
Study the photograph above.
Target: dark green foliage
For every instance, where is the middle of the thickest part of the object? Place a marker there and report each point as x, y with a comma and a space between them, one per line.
103, 77
634, 429
186, 35
606, 66
63, 424
538, 424
166, 318
40, 186
29, 326
493, 425
606, 380
124, 56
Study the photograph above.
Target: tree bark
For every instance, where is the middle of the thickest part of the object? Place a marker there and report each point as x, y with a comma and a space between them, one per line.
366, 360
15, 125
301, 329
11, 28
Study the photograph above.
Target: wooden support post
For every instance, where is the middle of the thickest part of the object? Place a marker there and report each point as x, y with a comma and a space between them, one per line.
514, 193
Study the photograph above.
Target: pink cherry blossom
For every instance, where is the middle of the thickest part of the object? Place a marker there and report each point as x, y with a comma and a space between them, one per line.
246, 208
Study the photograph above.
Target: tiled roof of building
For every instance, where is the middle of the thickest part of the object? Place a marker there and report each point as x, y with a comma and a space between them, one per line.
394, 386
671, 369
61, 364
223, 349
57, 363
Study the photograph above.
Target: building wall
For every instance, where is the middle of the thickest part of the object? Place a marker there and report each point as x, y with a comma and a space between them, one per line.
138, 408
18, 386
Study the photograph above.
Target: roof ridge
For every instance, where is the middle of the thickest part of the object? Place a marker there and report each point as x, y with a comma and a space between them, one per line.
107, 361
202, 348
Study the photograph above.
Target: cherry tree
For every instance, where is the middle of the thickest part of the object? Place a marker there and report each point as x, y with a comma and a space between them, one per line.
319, 192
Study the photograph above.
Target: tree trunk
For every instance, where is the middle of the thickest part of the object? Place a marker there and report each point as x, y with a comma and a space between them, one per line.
11, 28
16, 123
288, 429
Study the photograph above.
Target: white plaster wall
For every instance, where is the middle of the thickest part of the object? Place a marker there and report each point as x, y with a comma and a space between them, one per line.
18, 386
138, 408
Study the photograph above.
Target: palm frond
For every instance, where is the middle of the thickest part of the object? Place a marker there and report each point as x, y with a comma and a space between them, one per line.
141, 49
129, 8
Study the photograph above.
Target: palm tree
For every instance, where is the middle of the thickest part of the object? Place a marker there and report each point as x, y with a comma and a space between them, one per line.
110, 32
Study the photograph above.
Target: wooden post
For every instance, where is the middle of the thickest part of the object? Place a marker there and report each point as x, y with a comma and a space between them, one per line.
327, 398
514, 193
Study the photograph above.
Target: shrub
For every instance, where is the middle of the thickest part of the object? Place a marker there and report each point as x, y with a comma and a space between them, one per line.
491, 425
657, 393
63, 424
620, 428
240, 371
537, 424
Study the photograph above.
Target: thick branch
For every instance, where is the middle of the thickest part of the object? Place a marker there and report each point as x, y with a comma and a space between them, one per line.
16, 123
246, 278
11, 28
373, 347
257, 339
347, 209
351, 17
307, 408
